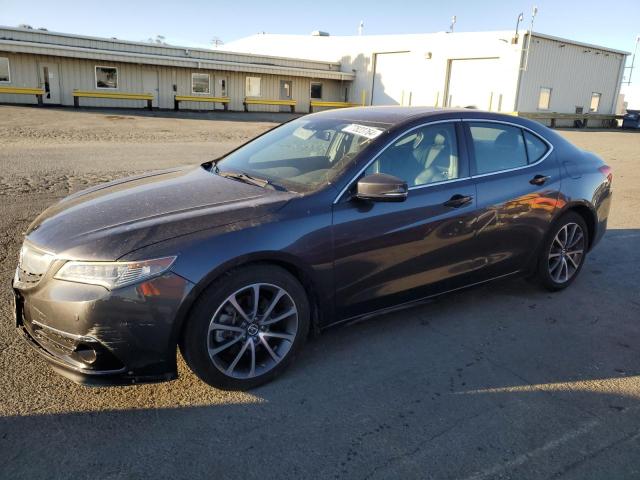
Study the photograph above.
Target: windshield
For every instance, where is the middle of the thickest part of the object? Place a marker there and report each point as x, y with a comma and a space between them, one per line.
301, 155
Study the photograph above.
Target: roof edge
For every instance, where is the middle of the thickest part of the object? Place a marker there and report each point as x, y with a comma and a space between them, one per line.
575, 42
146, 44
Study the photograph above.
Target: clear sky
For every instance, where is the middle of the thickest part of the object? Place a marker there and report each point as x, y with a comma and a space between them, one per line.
615, 23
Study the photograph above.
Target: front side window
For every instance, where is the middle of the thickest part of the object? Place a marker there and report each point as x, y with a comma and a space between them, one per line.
252, 87
303, 154
106, 77
595, 102
200, 83
316, 91
426, 155
497, 147
5, 76
544, 99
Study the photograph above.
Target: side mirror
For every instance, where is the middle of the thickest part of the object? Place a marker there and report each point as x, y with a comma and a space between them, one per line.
380, 187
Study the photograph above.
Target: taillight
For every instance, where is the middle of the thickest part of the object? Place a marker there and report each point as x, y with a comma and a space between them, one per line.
607, 172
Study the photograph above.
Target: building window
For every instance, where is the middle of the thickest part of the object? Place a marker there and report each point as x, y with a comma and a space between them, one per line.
200, 83
316, 91
106, 77
5, 77
544, 100
252, 88
595, 102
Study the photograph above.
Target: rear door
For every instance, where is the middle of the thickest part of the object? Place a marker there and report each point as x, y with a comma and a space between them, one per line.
50, 82
286, 93
472, 82
390, 82
390, 253
518, 184
150, 84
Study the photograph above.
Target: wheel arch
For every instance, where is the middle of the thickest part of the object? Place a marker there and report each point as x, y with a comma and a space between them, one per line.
588, 214
301, 272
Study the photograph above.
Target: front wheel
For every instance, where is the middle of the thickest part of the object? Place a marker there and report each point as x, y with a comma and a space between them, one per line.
564, 252
246, 327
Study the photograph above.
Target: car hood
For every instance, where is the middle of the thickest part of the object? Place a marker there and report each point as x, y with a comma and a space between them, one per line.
110, 220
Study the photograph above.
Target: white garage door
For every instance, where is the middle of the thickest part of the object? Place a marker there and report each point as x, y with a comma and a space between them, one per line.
390, 84
474, 82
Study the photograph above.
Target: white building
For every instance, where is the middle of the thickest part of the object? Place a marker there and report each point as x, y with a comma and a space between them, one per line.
488, 70
498, 71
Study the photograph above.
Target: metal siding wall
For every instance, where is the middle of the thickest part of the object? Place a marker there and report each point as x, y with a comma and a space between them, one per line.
23, 72
79, 74
572, 73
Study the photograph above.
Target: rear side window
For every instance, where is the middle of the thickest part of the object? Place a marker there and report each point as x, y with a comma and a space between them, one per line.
536, 148
497, 147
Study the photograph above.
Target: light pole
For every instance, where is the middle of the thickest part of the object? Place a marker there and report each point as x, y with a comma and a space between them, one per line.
633, 60
520, 18
534, 12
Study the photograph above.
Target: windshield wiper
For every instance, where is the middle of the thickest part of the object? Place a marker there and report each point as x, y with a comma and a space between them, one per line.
246, 178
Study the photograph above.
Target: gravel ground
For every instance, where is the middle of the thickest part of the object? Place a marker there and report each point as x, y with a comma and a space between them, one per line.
501, 381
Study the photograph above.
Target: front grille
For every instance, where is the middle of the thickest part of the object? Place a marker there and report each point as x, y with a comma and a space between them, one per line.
33, 264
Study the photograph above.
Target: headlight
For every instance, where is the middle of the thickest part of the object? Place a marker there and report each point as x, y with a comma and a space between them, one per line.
113, 274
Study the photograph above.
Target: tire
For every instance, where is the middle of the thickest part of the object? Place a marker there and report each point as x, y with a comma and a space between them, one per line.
231, 345
552, 273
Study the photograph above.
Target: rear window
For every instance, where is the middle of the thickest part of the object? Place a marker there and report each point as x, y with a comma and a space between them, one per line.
536, 148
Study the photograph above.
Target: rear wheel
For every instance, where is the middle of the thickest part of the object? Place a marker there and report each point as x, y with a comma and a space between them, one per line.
246, 327
564, 252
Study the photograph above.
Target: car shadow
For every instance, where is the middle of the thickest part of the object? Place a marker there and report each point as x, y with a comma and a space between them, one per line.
501, 379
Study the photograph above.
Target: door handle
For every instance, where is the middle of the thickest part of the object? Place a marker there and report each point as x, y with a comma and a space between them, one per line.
458, 201
539, 180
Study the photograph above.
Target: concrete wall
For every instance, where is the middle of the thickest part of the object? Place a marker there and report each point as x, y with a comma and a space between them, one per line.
425, 71
79, 74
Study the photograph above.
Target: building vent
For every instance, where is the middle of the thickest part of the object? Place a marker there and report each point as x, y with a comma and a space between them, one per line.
319, 33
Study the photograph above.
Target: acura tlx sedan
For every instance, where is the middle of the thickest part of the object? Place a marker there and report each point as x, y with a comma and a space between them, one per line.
327, 218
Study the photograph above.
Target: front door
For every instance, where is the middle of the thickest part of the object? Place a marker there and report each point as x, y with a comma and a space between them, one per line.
518, 183
150, 84
390, 253
286, 93
50, 82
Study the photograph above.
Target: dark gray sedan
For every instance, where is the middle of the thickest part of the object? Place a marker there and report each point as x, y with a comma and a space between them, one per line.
327, 218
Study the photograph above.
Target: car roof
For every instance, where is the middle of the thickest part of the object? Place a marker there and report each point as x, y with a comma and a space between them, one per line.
393, 115
396, 117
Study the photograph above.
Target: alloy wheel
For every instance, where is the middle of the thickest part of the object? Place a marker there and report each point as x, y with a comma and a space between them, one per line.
567, 250
252, 330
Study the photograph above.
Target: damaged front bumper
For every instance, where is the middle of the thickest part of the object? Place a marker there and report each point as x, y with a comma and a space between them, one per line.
99, 337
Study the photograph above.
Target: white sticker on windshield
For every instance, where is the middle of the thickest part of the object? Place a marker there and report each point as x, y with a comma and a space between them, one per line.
303, 133
363, 130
